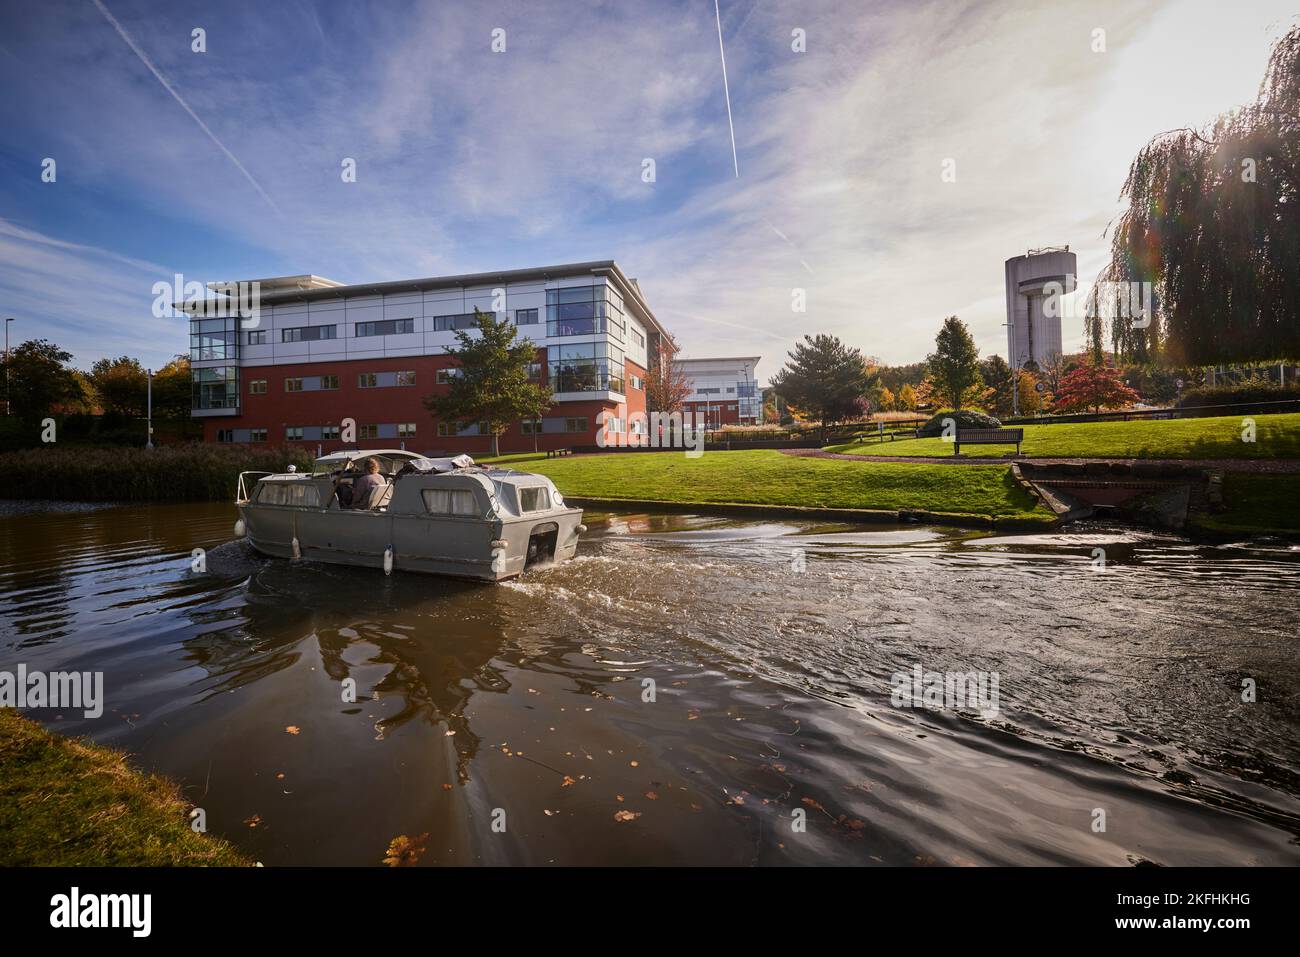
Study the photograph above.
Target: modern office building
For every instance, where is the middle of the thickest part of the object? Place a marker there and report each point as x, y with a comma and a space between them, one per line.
1033, 319
321, 352
724, 391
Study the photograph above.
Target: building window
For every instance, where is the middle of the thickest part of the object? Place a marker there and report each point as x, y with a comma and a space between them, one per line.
328, 382
525, 317
293, 385
225, 435
215, 388
329, 432
307, 333
444, 428
257, 387
385, 327
578, 424
259, 337
637, 338
406, 378
636, 382
406, 430
214, 339
257, 435
293, 433
584, 311
367, 380
731, 389
709, 391
444, 376
585, 367
531, 426
367, 431
464, 320
614, 425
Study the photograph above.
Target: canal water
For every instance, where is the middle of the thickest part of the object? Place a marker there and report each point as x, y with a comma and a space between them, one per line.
688, 690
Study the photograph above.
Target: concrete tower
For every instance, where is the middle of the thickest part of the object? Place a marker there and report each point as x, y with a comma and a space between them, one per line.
1031, 332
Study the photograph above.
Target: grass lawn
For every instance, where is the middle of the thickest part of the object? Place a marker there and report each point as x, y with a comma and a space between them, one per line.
68, 803
1276, 437
766, 477
1257, 503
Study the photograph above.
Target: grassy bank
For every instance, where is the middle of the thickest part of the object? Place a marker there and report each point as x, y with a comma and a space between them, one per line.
1256, 504
67, 803
767, 477
170, 473
1276, 437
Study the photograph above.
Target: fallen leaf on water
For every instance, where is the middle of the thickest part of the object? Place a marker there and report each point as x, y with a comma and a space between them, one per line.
293, 729
280, 776
446, 787
624, 816
549, 813
448, 734
652, 796
404, 851
619, 798
633, 763
567, 781
254, 821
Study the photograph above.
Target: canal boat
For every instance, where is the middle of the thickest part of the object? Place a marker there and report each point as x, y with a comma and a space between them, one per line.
440, 516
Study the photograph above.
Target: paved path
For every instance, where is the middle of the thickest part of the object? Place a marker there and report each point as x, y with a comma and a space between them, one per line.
1263, 466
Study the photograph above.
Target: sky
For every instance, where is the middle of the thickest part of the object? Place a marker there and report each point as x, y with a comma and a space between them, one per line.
227, 164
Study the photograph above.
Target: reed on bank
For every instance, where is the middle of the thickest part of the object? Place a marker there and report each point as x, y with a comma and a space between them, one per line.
190, 472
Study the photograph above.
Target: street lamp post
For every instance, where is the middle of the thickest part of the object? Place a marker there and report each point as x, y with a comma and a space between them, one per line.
148, 442
8, 320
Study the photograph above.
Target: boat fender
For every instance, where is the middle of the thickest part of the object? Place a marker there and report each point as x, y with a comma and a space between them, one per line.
388, 560
498, 543
297, 551
498, 559
582, 529
240, 529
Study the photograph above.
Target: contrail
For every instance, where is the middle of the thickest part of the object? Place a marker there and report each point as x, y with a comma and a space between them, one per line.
725, 89
185, 106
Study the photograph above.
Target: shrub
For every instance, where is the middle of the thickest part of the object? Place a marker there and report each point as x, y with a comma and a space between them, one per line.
193, 472
1255, 390
965, 418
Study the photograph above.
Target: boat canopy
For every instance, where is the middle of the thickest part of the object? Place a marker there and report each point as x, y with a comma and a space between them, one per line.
337, 461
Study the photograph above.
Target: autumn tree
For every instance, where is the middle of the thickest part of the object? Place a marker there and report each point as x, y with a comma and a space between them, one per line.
1093, 387
39, 380
666, 384
906, 401
492, 385
121, 384
1027, 392
172, 389
996, 374
824, 379
886, 400
954, 371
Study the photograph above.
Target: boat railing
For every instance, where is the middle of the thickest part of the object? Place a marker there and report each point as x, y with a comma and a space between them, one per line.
242, 494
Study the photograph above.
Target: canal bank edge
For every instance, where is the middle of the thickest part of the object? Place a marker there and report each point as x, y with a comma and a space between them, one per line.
872, 515
70, 802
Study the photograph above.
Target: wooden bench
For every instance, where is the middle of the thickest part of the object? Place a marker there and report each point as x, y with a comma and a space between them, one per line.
988, 437
556, 453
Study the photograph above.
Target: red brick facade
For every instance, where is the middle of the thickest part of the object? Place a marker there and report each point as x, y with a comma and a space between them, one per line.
277, 409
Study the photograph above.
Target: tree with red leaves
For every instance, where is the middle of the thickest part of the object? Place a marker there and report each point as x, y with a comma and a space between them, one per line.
1093, 387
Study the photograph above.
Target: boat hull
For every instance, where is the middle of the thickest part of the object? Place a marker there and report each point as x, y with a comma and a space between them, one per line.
462, 547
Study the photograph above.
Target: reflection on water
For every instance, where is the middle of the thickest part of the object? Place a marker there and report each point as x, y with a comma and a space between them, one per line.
709, 676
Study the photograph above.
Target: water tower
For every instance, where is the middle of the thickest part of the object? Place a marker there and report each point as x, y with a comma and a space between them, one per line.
1033, 334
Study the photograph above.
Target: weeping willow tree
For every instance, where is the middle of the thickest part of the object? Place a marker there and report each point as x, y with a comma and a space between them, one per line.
1213, 223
